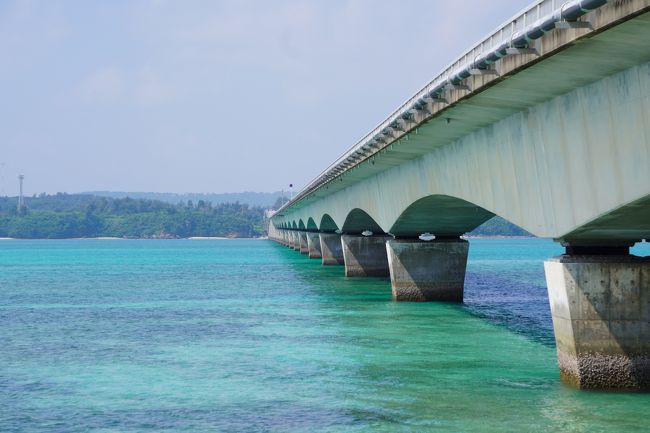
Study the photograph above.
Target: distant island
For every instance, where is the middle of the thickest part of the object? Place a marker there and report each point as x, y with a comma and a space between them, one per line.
83, 215
115, 214
263, 199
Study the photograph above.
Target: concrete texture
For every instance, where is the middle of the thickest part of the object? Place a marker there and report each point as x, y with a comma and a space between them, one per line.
295, 240
302, 239
601, 318
331, 249
365, 256
313, 245
557, 145
427, 271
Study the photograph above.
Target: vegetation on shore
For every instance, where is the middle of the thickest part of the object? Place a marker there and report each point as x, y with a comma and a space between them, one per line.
497, 226
262, 199
82, 215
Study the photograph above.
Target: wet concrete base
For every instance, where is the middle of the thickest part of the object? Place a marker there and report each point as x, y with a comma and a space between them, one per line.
302, 239
601, 319
313, 245
331, 249
605, 372
365, 256
427, 271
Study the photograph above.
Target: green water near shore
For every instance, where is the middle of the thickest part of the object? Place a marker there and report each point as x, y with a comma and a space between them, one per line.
179, 336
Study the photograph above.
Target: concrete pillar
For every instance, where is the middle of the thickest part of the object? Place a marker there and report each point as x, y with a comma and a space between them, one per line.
295, 240
313, 245
427, 271
331, 249
365, 256
302, 238
601, 317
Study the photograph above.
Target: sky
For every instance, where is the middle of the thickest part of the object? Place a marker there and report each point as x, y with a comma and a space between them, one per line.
211, 96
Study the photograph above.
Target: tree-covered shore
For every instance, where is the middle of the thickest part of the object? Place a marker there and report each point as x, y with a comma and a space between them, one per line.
63, 216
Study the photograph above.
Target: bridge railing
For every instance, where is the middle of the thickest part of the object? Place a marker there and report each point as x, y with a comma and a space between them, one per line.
537, 15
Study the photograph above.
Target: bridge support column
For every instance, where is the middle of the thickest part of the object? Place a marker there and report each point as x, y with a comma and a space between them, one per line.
365, 256
331, 249
295, 240
427, 271
313, 245
601, 317
302, 239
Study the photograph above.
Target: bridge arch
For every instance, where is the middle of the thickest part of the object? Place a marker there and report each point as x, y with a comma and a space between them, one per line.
311, 224
441, 215
327, 224
294, 225
358, 221
301, 224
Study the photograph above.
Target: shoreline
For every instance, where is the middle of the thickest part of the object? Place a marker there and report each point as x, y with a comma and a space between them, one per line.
109, 238
500, 237
222, 238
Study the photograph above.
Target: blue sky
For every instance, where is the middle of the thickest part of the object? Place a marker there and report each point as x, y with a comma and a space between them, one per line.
211, 96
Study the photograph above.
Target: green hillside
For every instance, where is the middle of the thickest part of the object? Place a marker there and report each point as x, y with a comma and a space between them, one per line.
82, 215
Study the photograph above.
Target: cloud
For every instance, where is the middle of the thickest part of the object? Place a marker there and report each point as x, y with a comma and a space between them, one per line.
149, 89
104, 85
112, 85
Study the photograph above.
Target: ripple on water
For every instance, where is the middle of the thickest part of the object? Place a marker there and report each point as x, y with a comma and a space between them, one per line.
182, 336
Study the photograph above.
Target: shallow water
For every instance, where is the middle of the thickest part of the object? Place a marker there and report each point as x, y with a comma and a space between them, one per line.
180, 336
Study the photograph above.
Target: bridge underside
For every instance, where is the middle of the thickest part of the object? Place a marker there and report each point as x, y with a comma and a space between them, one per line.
560, 146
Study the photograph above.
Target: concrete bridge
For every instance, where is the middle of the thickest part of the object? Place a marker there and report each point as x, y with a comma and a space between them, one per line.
546, 122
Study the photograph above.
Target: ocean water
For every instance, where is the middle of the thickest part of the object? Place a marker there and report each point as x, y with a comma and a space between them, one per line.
230, 336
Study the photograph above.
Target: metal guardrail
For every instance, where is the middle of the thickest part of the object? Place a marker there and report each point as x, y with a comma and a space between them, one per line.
531, 23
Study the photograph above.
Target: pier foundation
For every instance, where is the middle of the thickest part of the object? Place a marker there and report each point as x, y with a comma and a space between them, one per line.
302, 239
601, 318
331, 249
365, 256
427, 271
313, 245
295, 240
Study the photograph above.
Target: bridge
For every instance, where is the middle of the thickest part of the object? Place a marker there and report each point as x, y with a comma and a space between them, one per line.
546, 123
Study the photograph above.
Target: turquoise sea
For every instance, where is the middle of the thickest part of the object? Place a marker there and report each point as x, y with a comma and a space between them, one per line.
249, 336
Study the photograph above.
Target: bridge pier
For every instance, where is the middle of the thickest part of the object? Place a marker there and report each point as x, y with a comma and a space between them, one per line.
313, 245
365, 256
302, 239
295, 240
600, 306
331, 249
427, 270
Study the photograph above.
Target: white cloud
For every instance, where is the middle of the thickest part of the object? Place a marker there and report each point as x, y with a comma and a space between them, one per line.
149, 89
104, 85
112, 85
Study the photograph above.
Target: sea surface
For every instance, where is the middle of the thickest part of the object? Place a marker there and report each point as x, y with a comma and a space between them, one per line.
249, 336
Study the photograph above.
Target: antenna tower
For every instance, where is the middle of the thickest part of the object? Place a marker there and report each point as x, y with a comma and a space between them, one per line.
21, 199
